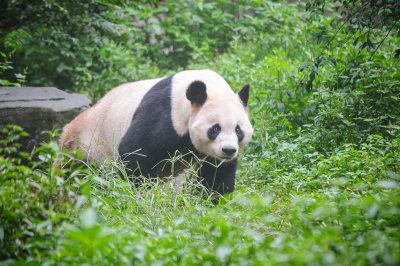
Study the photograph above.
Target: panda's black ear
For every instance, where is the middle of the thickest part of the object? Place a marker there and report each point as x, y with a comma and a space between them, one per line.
244, 94
196, 93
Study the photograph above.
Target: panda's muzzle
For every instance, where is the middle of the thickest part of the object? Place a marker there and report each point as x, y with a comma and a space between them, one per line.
228, 153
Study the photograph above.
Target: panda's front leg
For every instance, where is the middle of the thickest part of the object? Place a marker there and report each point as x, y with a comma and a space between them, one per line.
217, 176
138, 166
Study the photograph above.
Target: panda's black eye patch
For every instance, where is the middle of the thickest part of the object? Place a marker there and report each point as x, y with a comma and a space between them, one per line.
239, 133
214, 131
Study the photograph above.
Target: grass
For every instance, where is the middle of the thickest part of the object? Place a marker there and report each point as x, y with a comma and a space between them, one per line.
339, 209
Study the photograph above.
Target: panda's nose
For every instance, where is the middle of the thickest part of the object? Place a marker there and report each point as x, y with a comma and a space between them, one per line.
229, 151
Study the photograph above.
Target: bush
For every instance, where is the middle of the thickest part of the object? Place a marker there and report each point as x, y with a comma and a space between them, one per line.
34, 201
353, 79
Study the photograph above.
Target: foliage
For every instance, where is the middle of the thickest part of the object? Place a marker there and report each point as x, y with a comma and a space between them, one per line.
353, 78
362, 13
70, 45
319, 184
98, 46
179, 31
5, 65
34, 201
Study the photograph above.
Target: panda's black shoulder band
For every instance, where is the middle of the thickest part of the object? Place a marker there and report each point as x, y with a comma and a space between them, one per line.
196, 93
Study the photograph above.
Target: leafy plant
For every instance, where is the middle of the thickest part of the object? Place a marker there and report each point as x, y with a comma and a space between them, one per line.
33, 199
5, 66
63, 43
352, 78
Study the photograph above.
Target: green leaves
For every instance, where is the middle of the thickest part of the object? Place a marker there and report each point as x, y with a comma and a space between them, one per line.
6, 70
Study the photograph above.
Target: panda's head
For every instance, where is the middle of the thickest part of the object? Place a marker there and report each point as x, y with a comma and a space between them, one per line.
219, 125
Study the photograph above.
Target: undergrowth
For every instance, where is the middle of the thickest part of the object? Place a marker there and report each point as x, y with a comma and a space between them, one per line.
297, 206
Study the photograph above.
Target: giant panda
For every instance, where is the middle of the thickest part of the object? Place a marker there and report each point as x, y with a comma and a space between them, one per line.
194, 112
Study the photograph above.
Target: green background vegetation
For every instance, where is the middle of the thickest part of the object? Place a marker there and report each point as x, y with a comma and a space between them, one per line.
319, 184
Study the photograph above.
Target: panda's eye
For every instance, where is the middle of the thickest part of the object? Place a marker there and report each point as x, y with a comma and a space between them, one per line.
216, 128
237, 129
239, 133
214, 131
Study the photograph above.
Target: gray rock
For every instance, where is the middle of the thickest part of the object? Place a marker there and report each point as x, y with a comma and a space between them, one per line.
38, 109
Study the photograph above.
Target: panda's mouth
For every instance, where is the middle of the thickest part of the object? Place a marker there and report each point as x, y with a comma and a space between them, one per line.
225, 157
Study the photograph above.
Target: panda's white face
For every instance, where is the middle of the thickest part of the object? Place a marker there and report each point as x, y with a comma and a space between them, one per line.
220, 128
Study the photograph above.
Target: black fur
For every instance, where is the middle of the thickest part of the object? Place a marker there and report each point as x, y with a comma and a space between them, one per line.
244, 94
152, 138
196, 93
